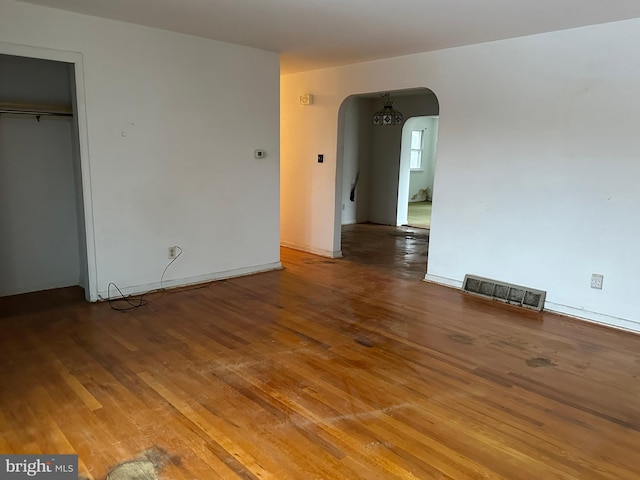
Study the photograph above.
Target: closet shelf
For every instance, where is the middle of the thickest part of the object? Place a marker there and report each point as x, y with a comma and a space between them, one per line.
35, 109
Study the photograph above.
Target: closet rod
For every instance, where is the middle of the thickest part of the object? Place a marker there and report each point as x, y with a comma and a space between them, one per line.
37, 109
36, 113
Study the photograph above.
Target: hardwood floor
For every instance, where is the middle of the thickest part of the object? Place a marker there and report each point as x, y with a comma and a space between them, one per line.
419, 214
398, 252
332, 369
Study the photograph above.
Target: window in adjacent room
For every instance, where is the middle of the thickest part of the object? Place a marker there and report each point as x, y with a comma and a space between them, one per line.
416, 150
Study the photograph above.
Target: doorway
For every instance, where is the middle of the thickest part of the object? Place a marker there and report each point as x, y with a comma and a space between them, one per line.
45, 204
417, 167
369, 177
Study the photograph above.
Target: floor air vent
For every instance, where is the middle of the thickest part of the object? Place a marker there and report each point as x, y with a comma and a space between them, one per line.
505, 292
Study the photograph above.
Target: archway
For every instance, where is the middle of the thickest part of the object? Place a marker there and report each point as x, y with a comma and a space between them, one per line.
368, 174
417, 170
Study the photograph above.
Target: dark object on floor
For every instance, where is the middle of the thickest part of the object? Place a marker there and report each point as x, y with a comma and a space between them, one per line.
540, 362
144, 467
352, 195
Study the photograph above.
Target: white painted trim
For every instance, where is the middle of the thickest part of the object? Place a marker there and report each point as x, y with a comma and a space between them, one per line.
87, 196
577, 313
91, 292
184, 282
315, 251
20, 50
447, 282
594, 317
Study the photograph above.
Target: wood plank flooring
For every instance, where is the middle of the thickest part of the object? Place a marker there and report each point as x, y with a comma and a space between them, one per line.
394, 252
419, 214
328, 369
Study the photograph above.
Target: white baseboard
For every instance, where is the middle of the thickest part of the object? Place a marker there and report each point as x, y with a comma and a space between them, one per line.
448, 282
594, 317
315, 251
184, 282
579, 313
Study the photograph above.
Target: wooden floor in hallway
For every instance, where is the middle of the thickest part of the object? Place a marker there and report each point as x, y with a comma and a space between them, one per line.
399, 252
327, 369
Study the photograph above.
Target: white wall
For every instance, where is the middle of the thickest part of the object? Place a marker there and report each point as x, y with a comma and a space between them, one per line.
356, 159
39, 241
38, 81
39, 245
537, 162
172, 124
385, 170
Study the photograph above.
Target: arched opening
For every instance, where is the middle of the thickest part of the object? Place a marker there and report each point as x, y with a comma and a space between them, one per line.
417, 171
370, 179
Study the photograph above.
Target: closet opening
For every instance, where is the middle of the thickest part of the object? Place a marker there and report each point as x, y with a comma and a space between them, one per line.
43, 245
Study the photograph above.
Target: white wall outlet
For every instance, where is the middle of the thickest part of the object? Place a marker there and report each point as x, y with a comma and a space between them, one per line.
596, 281
173, 252
259, 154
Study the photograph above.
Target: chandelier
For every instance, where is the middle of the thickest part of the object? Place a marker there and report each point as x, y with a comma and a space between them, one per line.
388, 115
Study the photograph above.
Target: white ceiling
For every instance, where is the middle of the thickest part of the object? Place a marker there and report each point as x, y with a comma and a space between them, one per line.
313, 34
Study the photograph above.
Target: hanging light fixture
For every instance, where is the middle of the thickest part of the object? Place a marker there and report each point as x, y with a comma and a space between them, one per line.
388, 115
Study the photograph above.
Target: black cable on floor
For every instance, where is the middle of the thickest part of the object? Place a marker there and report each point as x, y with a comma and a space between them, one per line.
132, 302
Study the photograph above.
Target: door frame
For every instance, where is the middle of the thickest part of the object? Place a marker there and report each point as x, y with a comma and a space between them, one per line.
404, 180
80, 113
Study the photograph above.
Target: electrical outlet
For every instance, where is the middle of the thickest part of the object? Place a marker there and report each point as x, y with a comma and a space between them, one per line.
596, 281
172, 252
